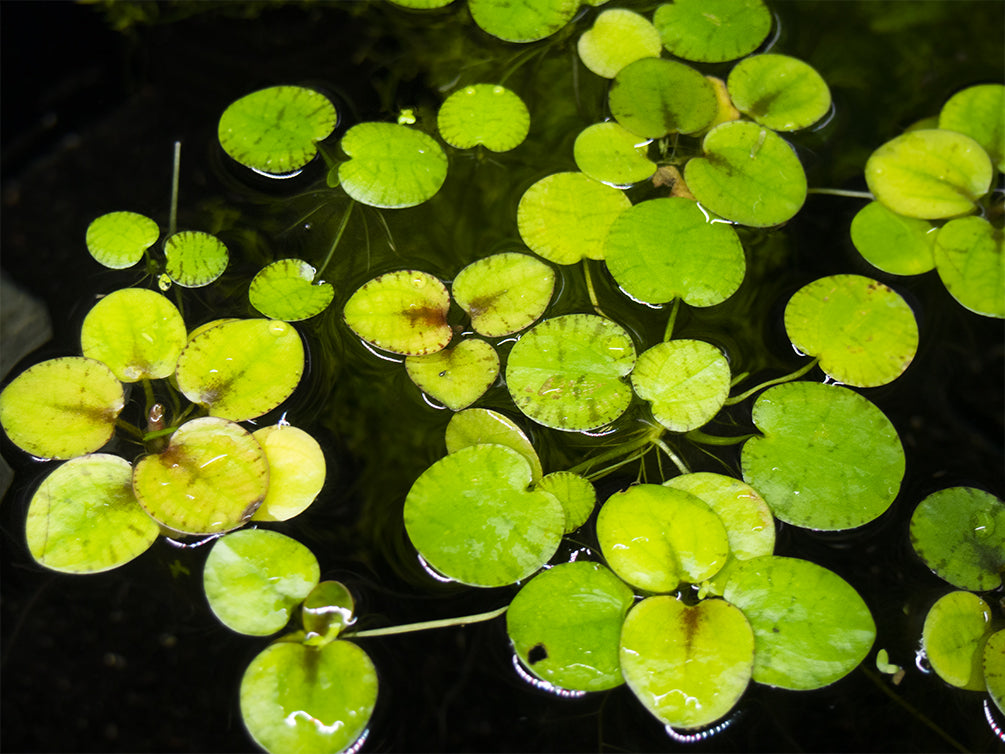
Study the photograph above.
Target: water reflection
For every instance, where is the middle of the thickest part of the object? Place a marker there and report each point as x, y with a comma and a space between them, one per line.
703, 734
543, 685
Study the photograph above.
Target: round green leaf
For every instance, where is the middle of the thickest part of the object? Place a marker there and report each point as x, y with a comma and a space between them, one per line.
929, 173
657, 538
577, 495
863, 331
286, 290
522, 22
667, 248
712, 31
688, 665
472, 517
687, 382
479, 426
296, 471
977, 112
960, 534
891, 242
458, 376
391, 165
994, 668
84, 517
748, 174
565, 625
403, 312
778, 91
504, 293
326, 612
210, 478
422, 4
485, 114
618, 37
194, 258
568, 372
310, 699
566, 216
275, 130
810, 626
953, 637
610, 153
241, 369
968, 256
62, 408
653, 97
828, 458
254, 580
137, 333
118, 239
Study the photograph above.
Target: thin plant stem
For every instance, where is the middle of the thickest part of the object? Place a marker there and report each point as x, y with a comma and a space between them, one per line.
427, 625
148, 392
591, 291
696, 435
668, 332
841, 192
640, 454
338, 235
777, 381
175, 172
129, 429
619, 451
681, 466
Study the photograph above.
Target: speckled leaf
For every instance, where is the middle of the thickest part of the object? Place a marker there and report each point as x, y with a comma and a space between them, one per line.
62, 408
568, 372
828, 458
119, 239
210, 478
296, 471
778, 91
577, 495
504, 293
473, 518
618, 37
610, 153
863, 331
403, 312
960, 534
712, 31
810, 626
458, 376
653, 97
687, 382
977, 112
968, 256
194, 258
522, 22
688, 665
486, 114
953, 637
285, 289
478, 426
84, 517
893, 243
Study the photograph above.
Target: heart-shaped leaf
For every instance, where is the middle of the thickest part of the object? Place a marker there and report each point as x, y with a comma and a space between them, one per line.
712, 31
778, 91
119, 239
480, 426
403, 312
504, 293
618, 37
458, 376
653, 97
485, 114
286, 290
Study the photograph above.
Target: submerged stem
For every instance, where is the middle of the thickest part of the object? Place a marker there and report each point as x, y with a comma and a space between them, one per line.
427, 625
668, 332
696, 435
677, 461
338, 236
591, 291
777, 381
841, 192
175, 172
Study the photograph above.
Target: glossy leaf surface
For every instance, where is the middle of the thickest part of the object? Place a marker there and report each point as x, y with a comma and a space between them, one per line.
504, 293
391, 166
456, 376
326, 612
403, 312
953, 638
712, 31
479, 426
119, 239
611, 153
687, 382
296, 471
286, 289
653, 97
484, 114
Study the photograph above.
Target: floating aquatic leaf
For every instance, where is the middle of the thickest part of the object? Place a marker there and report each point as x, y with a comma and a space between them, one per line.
953, 637
667, 248
968, 256
210, 478
657, 538
810, 626
565, 625
577, 495
863, 331
977, 112
276, 130
194, 258
504, 293
472, 516
568, 372
402, 312
119, 239
618, 37
994, 668
565, 217
688, 665
687, 382
326, 612
893, 243
137, 333
296, 471
725, 109
422, 4
84, 517
522, 22
486, 114
303, 698
712, 31
458, 376
610, 153
929, 173
653, 97
479, 426
778, 91
62, 408
391, 166
960, 534
748, 174
285, 289
243, 368
828, 458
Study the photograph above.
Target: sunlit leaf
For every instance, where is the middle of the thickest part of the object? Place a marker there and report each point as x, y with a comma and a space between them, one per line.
286, 289
977, 112
522, 22
504, 293
653, 97
478, 426
969, 258
577, 495
891, 242
118, 239
610, 153
457, 376
296, 471
687, 382
402, 312
953, 638
485, 114
618, 37
778, 91
712, 31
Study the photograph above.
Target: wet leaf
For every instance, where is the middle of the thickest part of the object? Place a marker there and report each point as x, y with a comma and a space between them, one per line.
610, 153
687, 382
119, 239
778, 91
565, 625
618, 37
504, 293
953, 638
968, 256
653, 97
296, 471
893, 243
403, 312
577, 495
977, 112
522, 22
458, 376
479, 426
286, 289
712, 31
484, 114
326, 612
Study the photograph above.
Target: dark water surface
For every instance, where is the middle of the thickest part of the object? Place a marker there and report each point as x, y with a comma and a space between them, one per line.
133, 660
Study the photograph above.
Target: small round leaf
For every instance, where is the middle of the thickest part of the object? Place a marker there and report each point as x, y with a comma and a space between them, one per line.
577, 495
485, 114
194, 258
687, 382
504, 293
118, 239
893, 243
953, 636
610, 153
285, 289
296, 471
458, 376
403, 312
712, 31
653, 97
479, 426
778, 91
522, 22
618, 37
977, 112
968, 256
326, 612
